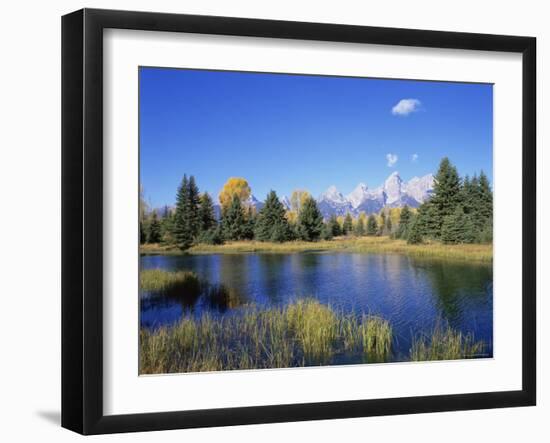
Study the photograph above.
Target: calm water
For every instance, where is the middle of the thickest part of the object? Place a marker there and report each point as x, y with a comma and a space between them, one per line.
412, 293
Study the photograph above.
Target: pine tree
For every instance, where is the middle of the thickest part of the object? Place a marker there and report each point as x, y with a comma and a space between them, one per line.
372, 225
447, 190
485, 198
167, 226
414, 235
478, 205
486, 233
348, 224
360, 227
326, 233
310, 221
154, 231
334, 226
233, 220
428, 222
457, 227
142, 236
194, 202
272, 224
389, 228
183, 229
206, 217
382, 226
404, 221
250, 223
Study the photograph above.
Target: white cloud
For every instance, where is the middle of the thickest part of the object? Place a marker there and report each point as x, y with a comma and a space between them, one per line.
392, 159
414, 157
406, 106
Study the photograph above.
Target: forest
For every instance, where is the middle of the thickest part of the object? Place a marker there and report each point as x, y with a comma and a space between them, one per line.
459, 211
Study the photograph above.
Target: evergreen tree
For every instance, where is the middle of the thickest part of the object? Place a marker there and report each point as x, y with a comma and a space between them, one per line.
310, 221
348, 224
250, 223
486, 233
447, 190
360, 227
382, 227
212, 236
194, 202
334, 226
372, 225
167, 227
272, 224
485, 209
154, 231
206, 217
428, 222
457, 227
233, 220
142, 236
414, 235
404, 223
183, 223
467, 194
326, 233
389, 228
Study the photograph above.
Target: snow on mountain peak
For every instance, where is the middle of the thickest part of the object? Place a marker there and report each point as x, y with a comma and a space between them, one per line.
392, 188
358, 195
420, 188
332, 194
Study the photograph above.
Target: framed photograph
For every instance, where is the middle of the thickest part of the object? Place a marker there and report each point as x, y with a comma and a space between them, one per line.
268, 221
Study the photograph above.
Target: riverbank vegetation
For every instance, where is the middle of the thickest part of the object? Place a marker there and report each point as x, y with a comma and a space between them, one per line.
458, 212
444, 343
481, 253
304, 333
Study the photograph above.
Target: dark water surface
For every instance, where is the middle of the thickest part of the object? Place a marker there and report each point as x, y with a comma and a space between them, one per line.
413, 294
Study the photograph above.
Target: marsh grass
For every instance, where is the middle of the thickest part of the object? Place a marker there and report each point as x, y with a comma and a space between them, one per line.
304, 333
384, 244
444, 343
376, 335
169, 283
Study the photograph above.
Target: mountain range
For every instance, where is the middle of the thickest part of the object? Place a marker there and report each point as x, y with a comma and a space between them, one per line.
393, 193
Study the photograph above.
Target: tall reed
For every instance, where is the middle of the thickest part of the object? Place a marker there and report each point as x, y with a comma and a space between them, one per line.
305, 332
445, 343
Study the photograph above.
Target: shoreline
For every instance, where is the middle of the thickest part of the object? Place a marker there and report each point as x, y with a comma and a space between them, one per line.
479, 253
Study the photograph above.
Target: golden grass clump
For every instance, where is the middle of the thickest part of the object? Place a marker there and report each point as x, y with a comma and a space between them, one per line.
164, 282
376, 334
445, 343
304, 333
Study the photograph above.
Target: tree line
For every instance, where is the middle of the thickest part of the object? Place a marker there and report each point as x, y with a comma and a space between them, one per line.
459, 211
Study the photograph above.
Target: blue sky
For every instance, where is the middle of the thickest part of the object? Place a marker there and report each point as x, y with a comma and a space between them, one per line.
286, 132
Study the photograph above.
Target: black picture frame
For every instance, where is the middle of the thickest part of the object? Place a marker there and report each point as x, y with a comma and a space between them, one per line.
82, 218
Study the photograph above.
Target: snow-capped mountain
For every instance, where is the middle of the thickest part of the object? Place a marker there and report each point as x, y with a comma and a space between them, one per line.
420, 188
366, 200
393, 189
394, 192
332, 202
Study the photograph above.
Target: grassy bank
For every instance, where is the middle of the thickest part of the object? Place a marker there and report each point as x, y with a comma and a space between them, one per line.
304, 333
470, 252
159, 281
444, 343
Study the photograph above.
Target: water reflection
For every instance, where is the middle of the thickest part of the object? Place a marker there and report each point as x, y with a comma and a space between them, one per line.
412, 293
